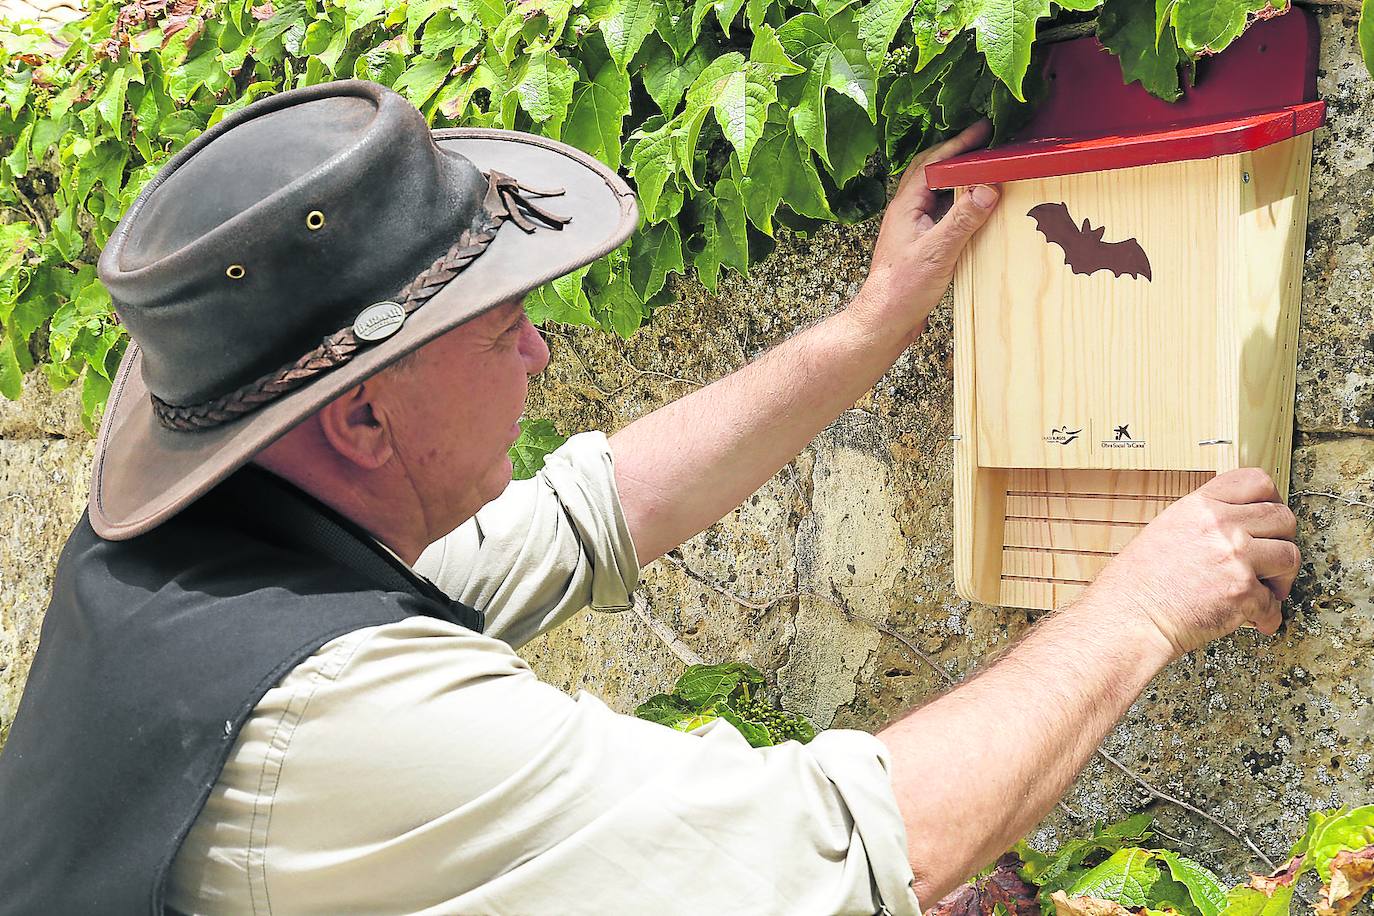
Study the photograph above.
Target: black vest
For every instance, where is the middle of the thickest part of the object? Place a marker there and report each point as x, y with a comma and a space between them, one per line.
153, 653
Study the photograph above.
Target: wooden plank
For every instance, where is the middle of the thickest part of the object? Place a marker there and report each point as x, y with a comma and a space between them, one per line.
1085, 508
1271, 226
1099, 537
979, 493
1052, 564
1042, 595
1158, 484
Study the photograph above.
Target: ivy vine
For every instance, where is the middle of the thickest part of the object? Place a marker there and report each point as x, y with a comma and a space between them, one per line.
731, 117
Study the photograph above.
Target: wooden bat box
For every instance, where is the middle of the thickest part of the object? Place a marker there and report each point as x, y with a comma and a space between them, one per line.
1126, 322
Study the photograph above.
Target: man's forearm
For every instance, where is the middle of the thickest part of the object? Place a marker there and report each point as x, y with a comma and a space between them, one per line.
974, 770
684, 466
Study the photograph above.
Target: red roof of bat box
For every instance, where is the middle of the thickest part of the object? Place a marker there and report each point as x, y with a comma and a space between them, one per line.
1261, 90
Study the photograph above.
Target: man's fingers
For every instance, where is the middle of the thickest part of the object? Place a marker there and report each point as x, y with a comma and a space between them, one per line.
1266, 520
943, 241
1274, 559
1243, 485
1270, 618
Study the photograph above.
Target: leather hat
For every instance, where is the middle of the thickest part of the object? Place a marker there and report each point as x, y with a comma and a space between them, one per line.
298, 247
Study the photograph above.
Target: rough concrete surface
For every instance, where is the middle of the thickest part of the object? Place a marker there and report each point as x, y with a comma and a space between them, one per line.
44, 475
816, 576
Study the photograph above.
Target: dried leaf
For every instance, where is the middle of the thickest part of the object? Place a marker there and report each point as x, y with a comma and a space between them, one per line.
1283, 876
1064, 905
1003, 886
1352, 876
962, 901
264, 12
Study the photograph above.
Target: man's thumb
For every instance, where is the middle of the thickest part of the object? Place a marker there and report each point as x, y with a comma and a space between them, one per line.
970, 211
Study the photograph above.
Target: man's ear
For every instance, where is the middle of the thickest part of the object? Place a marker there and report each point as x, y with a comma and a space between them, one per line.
355, 426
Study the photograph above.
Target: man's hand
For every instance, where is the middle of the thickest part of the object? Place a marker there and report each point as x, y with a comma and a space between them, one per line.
1219, 558
913, 261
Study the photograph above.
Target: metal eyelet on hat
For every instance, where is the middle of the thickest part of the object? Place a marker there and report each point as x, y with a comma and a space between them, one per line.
235, 272
314, 220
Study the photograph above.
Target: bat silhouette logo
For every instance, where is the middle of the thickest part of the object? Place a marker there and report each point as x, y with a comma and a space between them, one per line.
1084, 250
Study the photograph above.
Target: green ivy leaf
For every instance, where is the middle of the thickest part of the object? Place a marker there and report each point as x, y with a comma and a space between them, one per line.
850, 139
725, 231
103, 165
1127, 29
878, 24
1005, 30
676, 28
1246, 901
935, 24
653, 162
755, 733
655, 254
11, 376
627, 27
598, 112
781, 170
1346, 830
663, 709
1125, 878
1209, 26
95, 390
837, 62
1204, 888
965, 90
562, 300
538, 439
666, 79
703, 685
546, 86
110, 102
422, 79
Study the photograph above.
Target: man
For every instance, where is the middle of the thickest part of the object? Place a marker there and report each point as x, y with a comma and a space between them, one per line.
246, 699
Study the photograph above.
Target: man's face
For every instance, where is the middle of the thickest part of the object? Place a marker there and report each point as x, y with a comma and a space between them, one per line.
453, 411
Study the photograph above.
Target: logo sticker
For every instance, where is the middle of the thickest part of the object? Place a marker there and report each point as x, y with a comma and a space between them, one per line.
1062, 435
1122, 438
379, 321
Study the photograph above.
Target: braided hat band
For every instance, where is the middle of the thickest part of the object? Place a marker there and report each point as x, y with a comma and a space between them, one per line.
506, 200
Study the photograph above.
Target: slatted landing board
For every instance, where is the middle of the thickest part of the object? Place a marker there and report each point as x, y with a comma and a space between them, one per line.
1062, 527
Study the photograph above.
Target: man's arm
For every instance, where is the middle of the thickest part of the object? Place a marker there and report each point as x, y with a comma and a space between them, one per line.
977, 768
682, 467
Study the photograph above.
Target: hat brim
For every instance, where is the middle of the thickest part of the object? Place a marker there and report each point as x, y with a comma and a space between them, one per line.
145, 473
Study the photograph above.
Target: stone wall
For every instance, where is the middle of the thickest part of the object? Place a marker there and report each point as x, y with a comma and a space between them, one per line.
837, 574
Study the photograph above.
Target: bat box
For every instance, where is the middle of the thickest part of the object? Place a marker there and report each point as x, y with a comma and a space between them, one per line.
1125, 324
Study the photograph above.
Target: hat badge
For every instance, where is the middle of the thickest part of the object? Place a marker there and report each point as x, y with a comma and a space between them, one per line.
378, 321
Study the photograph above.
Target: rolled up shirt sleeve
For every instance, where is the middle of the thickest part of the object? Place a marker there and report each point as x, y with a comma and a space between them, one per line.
546, 548
419, 768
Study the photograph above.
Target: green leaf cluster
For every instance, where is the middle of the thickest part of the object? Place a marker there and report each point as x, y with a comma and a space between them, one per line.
732, 691
731, 117
1110, 864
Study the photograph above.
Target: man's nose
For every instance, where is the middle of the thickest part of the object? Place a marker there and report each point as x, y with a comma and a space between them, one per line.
534, 348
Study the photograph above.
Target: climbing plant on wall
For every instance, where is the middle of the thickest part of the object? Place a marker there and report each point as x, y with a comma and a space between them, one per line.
731, 117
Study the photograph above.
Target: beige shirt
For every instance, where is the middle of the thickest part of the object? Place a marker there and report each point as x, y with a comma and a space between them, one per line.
418, 767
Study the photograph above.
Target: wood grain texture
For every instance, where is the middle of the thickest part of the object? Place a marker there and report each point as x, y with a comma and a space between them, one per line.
1058, 350
1272, 227
1063, 526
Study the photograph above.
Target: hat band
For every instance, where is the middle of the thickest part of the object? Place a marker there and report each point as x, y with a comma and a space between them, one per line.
505, 200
